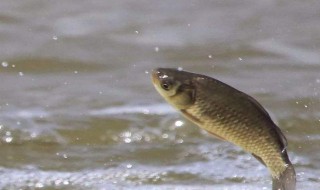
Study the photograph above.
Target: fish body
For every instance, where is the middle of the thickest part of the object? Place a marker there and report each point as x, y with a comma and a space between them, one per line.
231, 115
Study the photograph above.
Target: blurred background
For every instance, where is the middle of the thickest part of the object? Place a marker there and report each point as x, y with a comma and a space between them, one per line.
78, 110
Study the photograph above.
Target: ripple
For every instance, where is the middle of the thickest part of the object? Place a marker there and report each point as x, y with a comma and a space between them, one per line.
295, 53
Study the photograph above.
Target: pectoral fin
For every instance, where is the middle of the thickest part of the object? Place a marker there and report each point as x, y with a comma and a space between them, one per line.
198, 122
259, 159
217, 136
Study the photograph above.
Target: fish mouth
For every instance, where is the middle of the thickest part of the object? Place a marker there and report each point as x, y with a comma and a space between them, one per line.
159, 74
155, 75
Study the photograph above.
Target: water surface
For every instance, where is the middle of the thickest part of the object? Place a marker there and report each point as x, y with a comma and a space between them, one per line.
78, 110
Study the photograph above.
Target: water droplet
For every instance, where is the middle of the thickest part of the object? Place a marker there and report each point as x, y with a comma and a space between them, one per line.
127, 134
180, 68
305, 106
18, 123
189, 24
8, 139
64, 156
156, 49
127, 140
4, 64
21, 74
13, 66
146, 72
55, 37
240, 59
137, 32
178, 123
179, 141
210, 56
66, 182
165, 135
129, 166
39, 185
75, 72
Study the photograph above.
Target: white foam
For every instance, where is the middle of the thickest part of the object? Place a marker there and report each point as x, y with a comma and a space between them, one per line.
26, 114
154, 109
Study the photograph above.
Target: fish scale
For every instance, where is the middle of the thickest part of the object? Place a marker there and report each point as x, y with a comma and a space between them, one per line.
239, 134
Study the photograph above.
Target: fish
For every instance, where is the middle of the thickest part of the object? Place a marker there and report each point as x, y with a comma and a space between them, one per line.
230, 115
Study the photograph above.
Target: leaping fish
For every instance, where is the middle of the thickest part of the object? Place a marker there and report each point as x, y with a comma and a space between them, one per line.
231, 115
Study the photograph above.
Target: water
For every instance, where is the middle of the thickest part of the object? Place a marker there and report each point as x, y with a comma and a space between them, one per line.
78, 110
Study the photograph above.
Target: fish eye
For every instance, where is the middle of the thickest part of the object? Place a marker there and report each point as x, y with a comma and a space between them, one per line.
166, 86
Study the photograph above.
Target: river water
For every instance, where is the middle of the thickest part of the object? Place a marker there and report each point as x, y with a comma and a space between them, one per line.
78, 110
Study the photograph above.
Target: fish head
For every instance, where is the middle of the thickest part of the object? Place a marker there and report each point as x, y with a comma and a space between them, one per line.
174, 86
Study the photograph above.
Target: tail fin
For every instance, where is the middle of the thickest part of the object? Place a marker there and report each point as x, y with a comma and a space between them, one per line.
286, 181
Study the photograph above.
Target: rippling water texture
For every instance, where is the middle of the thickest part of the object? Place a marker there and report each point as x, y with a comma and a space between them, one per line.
78, 110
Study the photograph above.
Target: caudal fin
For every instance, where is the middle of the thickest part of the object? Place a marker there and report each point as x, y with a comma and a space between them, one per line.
286, 181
